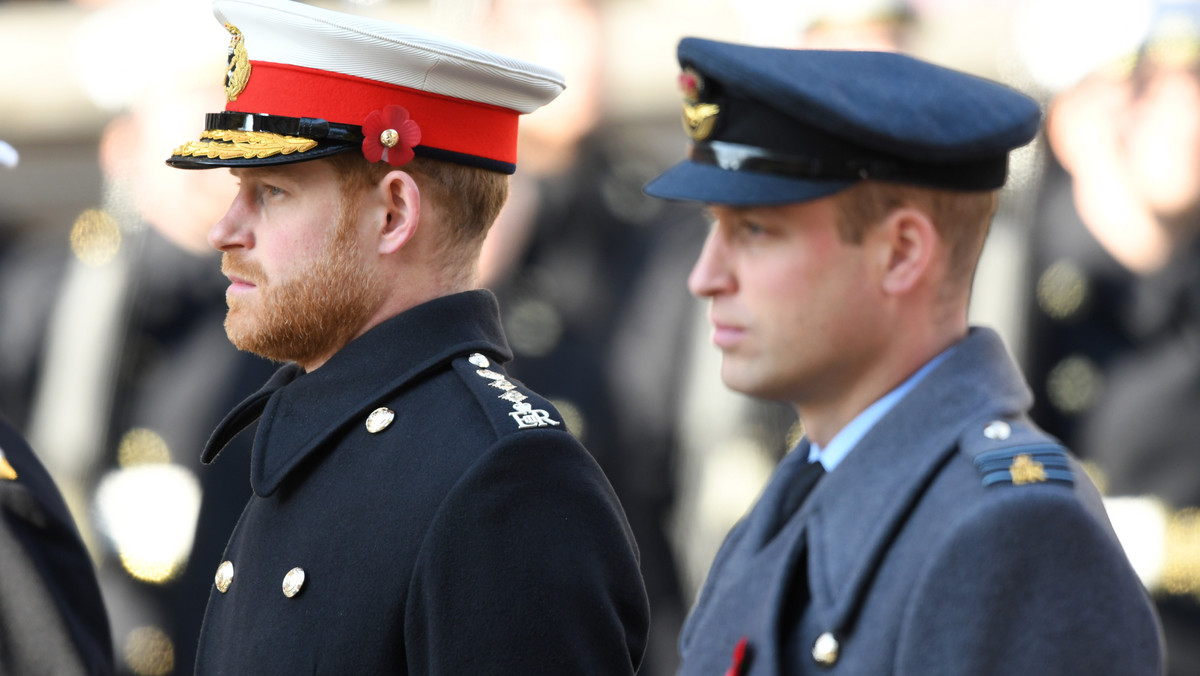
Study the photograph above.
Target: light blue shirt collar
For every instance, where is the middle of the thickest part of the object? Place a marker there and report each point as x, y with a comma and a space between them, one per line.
849, 436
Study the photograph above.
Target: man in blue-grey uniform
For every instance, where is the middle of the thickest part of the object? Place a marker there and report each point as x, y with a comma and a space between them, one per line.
414, 510
923, 525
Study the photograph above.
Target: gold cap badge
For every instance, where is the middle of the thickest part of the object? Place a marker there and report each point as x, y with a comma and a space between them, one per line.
698, 118
237, 69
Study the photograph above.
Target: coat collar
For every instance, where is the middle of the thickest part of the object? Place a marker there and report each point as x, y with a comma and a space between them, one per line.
895, 461
300, 411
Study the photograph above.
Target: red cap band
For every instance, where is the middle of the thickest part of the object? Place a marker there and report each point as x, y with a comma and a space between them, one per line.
446, 123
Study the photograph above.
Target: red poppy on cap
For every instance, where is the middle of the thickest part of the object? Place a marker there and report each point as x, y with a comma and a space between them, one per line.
390, 135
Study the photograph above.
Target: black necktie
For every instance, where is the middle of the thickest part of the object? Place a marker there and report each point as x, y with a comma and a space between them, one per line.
795, 492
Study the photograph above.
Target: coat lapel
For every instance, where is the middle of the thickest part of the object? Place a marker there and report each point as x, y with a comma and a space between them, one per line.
854, 514
300, 412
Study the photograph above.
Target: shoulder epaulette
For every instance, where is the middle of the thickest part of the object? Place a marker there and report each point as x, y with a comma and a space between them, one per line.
517, 408
1021, 465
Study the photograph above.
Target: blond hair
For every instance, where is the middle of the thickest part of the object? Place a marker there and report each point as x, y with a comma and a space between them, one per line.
468, 200
962, 218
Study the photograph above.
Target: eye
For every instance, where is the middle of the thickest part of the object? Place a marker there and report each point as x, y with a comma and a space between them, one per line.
750, 228
266, 191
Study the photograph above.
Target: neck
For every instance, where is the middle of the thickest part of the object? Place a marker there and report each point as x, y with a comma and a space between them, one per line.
897, 361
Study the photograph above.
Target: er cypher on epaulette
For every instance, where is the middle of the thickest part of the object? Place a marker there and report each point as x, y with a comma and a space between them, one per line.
523, 414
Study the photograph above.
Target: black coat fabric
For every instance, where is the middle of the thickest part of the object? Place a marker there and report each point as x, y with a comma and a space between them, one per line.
472, 535
52, 618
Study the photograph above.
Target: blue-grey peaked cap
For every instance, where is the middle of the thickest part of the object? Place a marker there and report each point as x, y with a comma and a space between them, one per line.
783, 125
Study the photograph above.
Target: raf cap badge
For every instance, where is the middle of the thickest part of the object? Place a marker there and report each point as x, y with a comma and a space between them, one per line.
698, 118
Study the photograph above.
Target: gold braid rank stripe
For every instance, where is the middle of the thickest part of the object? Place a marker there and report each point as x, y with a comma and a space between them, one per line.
228, 144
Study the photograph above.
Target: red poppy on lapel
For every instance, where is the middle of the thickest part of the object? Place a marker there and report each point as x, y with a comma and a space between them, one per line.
741, 654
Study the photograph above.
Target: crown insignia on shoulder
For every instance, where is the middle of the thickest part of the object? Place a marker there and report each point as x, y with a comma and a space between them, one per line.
1022, 465
525, 415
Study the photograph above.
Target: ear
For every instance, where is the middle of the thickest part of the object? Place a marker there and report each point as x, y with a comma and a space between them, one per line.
909, 244
401, 201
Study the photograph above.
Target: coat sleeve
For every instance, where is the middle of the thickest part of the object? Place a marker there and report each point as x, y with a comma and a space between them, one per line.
1032, 583
52, 618
529, 568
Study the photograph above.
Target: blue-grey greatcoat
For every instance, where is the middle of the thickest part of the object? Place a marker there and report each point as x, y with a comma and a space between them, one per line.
470, 534
955, 539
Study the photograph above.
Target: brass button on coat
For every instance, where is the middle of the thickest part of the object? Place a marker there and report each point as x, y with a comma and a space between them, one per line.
380, 419
224, 576
293, 581
825, 650
997, 430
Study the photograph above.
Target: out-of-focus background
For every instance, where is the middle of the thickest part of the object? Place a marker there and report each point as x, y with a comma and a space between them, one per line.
114, 364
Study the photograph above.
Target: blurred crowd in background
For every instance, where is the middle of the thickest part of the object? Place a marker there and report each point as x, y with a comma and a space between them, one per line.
114, 363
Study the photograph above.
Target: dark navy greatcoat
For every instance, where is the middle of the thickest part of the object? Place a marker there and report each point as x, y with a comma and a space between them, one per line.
471, 534
955, 539
52, 617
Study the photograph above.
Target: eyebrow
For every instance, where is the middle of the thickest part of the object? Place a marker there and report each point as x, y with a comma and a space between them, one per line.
260, 172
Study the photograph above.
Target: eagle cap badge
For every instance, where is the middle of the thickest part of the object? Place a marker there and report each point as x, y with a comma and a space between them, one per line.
698, 118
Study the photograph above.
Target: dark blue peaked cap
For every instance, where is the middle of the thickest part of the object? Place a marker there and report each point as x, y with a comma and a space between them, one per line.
773, 126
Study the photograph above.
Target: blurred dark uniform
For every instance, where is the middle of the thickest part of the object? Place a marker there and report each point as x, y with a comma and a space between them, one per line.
600, 324
1117, 376
52, 618
1112, 348
174, 374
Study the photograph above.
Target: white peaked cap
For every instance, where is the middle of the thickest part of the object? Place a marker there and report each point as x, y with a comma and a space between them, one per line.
302, 81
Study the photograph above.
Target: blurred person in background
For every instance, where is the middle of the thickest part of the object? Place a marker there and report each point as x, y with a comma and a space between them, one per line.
120, 368
586, 268
923, 525
414, 508
1113, 349
52, 616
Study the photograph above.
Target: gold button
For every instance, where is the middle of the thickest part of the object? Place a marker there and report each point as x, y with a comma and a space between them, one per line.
997, 430
224, 576
380, 419
389, 138
825, 650
293, 581
479, 360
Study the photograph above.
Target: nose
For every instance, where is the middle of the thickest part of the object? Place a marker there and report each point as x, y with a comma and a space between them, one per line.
711, 275
231, 232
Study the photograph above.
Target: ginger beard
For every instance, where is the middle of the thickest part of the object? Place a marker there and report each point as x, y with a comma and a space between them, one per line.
310, 315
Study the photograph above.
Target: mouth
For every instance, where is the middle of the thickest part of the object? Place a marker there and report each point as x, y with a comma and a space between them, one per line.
726, 335
241, 279
239, 285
